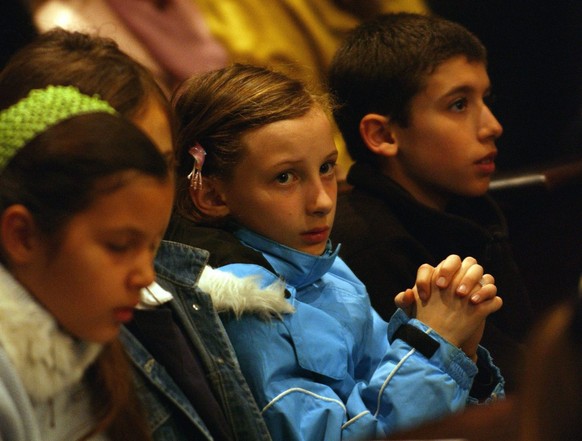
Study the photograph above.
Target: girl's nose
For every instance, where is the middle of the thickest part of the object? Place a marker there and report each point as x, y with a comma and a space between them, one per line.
143, 274
323, 198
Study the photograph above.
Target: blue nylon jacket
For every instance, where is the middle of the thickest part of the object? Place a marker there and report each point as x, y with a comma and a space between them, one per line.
327, 371
170, 413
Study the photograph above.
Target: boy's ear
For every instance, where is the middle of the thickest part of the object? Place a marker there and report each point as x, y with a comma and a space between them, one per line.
376, 132
19, 234
208, 199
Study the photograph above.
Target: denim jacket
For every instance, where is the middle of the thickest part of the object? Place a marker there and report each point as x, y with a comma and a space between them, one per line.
171, 415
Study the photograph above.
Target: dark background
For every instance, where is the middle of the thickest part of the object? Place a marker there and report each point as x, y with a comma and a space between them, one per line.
535, 65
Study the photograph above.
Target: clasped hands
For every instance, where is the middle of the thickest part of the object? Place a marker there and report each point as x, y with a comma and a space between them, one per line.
454, 298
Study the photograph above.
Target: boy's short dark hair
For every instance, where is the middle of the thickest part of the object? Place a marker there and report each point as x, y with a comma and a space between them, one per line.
384, 63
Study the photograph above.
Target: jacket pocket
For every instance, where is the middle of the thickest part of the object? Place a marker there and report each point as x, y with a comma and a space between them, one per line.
319, 342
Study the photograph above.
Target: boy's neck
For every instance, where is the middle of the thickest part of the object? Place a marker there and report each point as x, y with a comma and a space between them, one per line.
425, 195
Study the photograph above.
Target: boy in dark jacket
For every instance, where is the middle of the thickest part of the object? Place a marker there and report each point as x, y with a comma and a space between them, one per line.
412, 95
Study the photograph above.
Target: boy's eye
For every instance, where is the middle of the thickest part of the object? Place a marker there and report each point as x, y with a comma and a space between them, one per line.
459, 105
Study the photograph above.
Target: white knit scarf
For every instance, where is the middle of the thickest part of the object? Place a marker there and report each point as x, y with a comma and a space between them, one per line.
47, 359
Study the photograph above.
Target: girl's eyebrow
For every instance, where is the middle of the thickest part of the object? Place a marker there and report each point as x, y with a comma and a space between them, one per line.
290, 162
332, 153
286, 162
126, 231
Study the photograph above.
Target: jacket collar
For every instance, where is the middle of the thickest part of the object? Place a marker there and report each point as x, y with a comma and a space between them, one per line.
179, 263
295, 267
475, 217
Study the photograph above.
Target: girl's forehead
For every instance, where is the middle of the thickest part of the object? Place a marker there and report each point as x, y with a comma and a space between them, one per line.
302, 127
303, 139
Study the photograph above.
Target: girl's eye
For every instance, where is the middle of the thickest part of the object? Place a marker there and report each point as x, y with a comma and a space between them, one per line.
118, 248
327, 168
121, 245
459, 105
284, 178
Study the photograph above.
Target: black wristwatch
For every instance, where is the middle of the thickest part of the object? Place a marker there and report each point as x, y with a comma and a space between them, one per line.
416, 338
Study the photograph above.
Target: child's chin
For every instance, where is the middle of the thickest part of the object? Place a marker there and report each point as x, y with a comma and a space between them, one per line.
315, 250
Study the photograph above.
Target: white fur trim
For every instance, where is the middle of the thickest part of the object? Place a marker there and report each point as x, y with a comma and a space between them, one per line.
244, 295
153, 296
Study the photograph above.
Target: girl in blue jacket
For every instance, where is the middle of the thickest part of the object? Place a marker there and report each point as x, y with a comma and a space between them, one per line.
257, 188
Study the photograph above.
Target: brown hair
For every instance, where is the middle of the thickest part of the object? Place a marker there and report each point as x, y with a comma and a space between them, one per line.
95, 65
215, 109
384, 63
119, 411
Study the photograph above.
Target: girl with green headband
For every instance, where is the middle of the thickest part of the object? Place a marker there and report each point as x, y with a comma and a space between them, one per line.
84, 201
203, 396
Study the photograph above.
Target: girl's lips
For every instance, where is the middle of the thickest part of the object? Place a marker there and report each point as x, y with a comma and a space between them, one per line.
316, 235
123, 315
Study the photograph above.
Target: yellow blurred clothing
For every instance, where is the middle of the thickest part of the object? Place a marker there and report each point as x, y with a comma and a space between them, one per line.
298, 37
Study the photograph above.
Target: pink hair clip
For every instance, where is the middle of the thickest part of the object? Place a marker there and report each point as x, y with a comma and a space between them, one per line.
198, 153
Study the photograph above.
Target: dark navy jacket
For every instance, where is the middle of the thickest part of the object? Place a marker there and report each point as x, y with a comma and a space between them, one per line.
386, 234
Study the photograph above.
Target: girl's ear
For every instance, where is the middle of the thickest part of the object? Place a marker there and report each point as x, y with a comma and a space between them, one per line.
19, 234
376, 132
209, 200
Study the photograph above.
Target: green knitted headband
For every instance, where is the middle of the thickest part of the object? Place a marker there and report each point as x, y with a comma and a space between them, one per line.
41, 109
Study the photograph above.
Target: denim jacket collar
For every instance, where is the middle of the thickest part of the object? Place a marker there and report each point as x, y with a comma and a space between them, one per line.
179, 263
